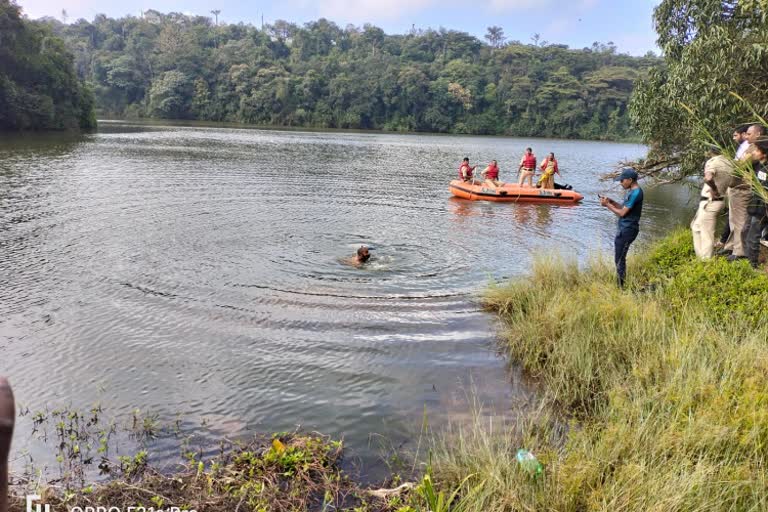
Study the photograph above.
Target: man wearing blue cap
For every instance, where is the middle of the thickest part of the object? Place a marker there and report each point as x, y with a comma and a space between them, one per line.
629, 219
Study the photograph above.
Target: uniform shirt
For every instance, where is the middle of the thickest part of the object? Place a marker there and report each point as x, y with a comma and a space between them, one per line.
633, 201
720, 170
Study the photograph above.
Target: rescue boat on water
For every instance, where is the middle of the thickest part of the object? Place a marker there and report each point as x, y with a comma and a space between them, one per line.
512, 193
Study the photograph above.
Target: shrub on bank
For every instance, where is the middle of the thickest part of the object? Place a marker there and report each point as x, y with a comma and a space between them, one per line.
666, 385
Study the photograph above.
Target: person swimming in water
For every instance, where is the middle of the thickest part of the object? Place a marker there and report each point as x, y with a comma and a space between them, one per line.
362, 256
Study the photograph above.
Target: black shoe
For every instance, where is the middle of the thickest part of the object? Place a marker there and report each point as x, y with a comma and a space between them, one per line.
735, 258
723, 252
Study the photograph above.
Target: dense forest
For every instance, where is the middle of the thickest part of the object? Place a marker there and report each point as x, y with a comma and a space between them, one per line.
176, 66
39, 89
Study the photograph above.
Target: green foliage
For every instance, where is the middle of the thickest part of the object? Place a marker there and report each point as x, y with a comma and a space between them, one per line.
668, 255
728, 292
133, 467
711, 48
39, 89
321, 75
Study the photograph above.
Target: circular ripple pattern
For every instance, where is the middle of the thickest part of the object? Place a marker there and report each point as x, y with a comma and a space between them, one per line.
199, 271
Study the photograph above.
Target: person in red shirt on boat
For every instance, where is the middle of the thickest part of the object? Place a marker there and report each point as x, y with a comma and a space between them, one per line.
491, 175
527, 167
465, 170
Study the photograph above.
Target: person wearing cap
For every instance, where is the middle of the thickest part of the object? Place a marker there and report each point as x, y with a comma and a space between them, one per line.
718, 174
7, 416
628, 213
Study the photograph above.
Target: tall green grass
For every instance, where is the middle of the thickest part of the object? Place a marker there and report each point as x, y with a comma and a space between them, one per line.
655, 398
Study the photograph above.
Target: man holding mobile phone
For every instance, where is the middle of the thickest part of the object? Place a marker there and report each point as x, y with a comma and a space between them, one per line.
628, 213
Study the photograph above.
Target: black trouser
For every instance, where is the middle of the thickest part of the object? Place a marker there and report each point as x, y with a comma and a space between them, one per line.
624, 238
756, 225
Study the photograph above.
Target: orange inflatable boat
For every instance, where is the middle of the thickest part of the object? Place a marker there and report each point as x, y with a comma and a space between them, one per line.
512, 193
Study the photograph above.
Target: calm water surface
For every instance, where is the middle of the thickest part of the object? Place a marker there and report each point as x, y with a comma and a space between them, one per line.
196, 271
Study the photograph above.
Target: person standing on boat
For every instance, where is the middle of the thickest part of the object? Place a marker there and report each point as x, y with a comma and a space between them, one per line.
527, 167
549, 167
465, 170
491, 175
629, 219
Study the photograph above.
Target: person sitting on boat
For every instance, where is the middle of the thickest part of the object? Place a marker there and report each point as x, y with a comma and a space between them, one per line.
549, 167
491, 175
527, 167
465, 170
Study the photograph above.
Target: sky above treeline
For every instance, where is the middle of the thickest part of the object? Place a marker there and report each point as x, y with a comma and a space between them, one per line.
577, 23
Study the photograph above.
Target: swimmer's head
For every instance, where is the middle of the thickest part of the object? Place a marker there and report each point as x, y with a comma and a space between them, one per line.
363, 254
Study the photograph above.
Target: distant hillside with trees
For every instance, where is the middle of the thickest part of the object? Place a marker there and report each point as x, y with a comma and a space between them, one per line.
39, 89
175, 66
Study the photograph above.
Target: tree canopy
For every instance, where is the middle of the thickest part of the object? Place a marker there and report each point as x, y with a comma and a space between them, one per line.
712, 48
39, 89
321, 75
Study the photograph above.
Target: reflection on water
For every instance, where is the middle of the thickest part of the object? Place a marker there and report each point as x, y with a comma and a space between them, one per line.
196, 271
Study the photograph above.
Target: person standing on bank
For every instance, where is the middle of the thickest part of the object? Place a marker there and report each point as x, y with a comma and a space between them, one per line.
629, 219
758, 214
718, 174
739, 196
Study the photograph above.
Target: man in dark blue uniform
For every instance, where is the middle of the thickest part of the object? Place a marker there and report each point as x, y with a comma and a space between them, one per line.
629, 219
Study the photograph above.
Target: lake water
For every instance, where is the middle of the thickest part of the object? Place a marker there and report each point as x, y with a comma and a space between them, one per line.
196, 271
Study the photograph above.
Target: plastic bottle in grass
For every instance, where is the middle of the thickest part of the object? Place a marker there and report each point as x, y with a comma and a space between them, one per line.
529, 462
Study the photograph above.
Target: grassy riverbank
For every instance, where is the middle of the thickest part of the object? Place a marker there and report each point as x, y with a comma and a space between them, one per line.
656, 398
